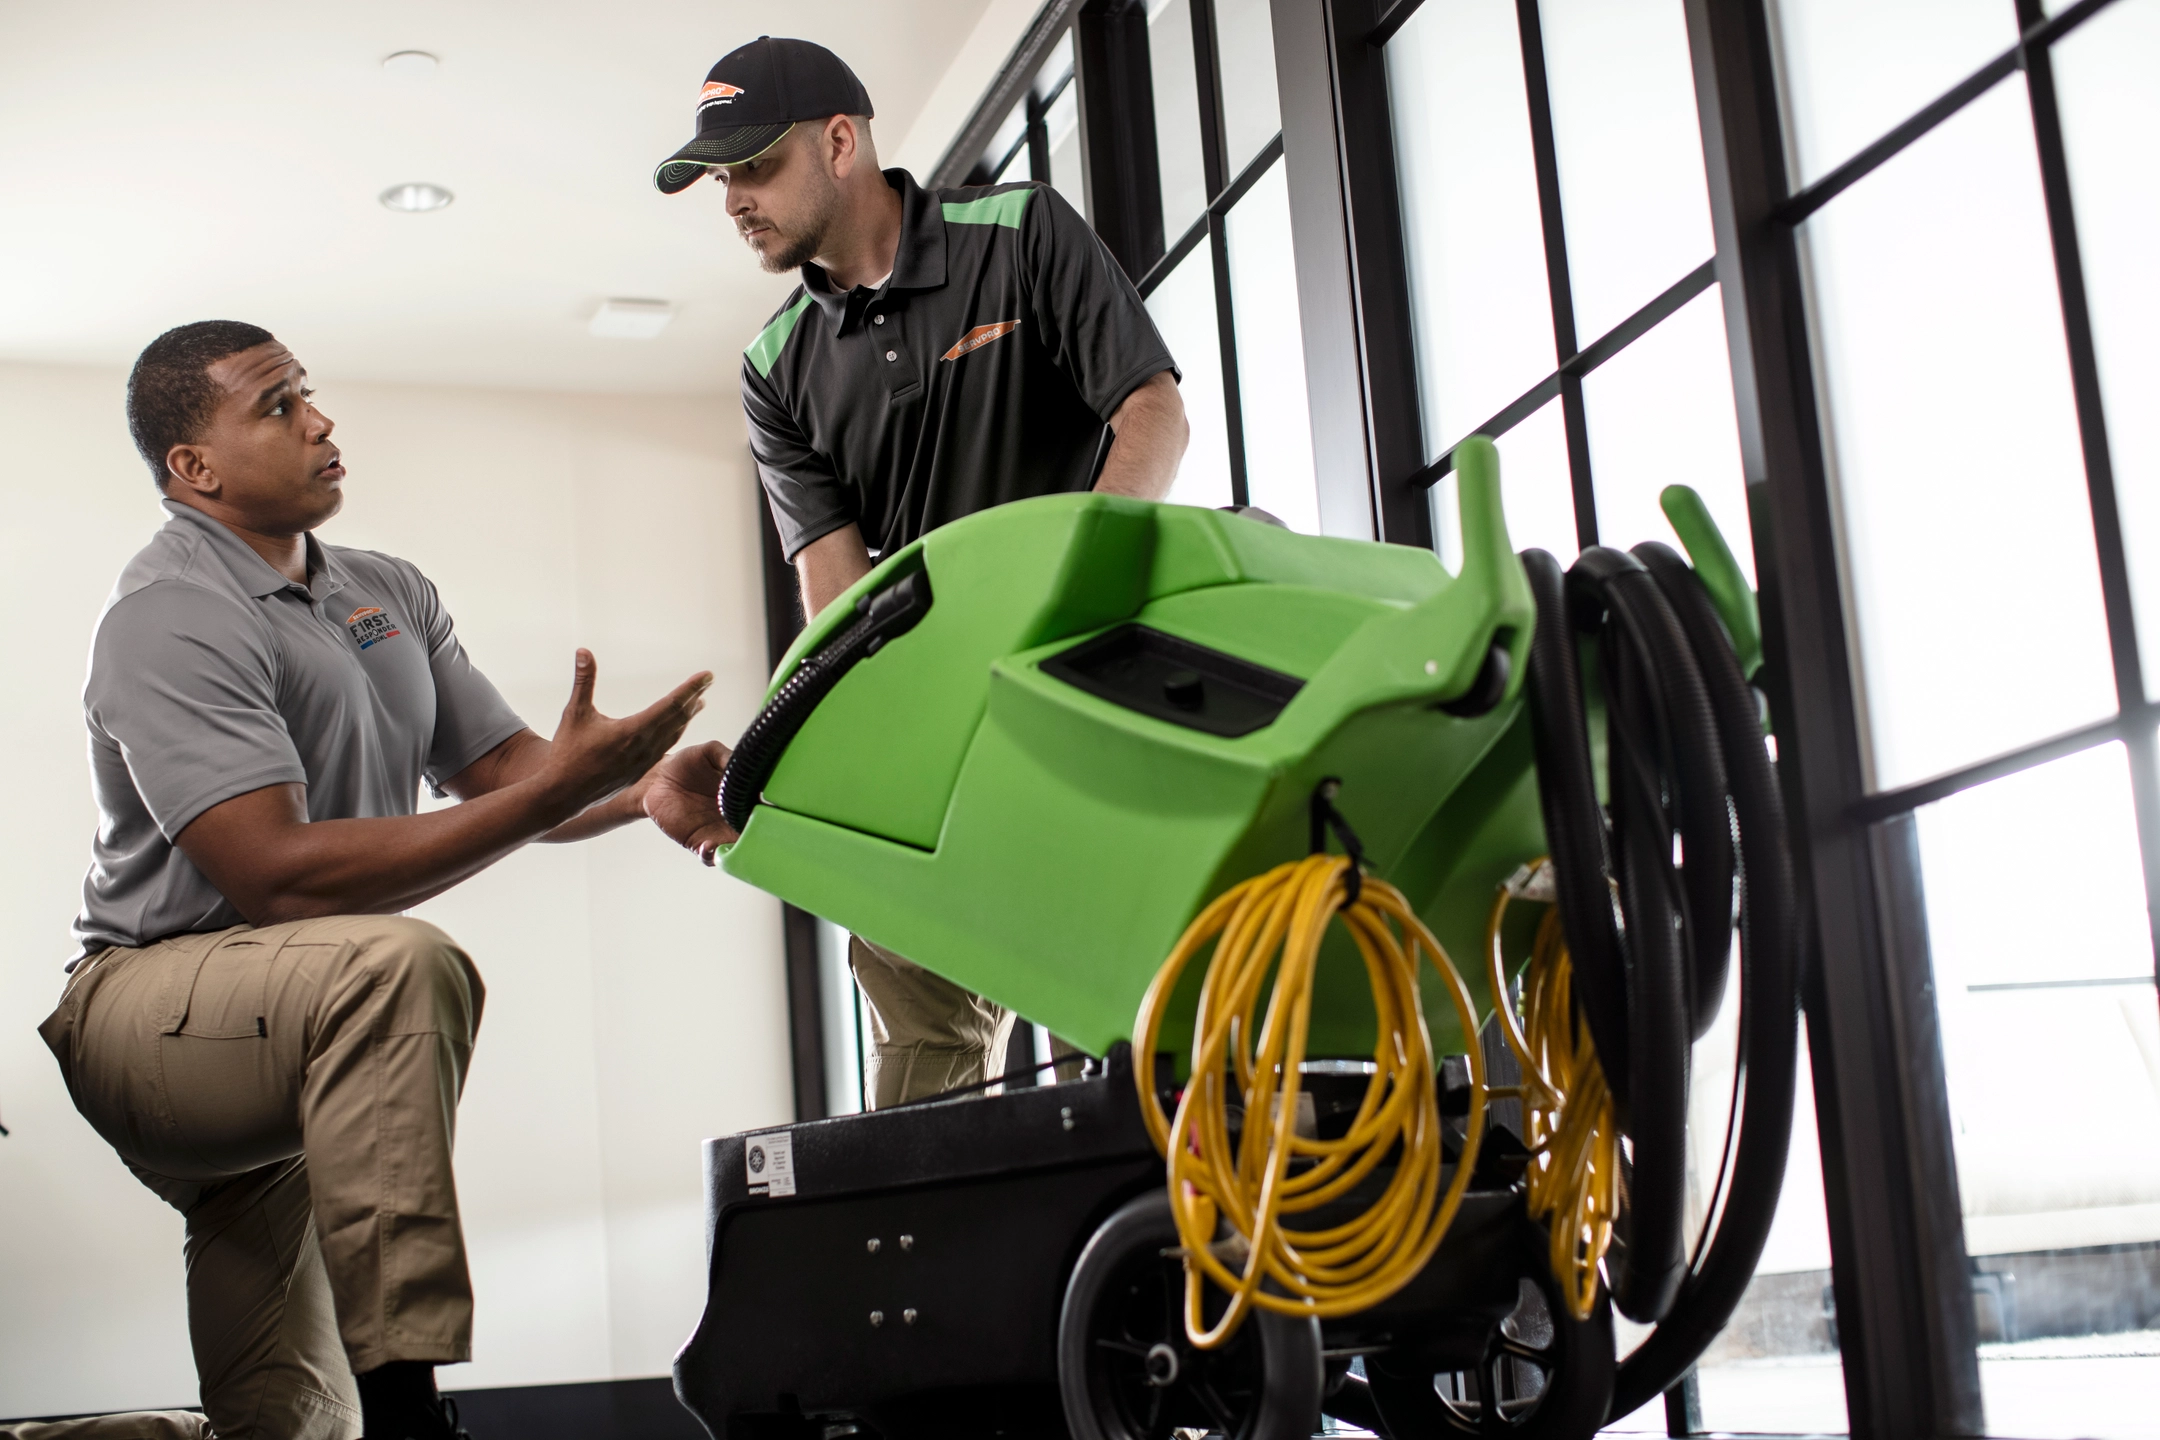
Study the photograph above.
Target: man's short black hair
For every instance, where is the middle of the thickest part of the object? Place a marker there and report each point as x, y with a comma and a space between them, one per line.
169, 395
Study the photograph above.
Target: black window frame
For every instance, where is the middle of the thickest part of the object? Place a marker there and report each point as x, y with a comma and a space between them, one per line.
1905, 1318
1121, 175
1900, 1273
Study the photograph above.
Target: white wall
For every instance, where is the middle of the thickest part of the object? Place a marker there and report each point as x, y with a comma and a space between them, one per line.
1001, 26
635, 1000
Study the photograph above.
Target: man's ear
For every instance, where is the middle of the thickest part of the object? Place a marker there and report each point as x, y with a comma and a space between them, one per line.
188, 467
843, 146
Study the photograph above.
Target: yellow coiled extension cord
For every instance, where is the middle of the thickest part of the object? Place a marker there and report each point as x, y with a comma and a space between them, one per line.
1574, 1172
1275, 922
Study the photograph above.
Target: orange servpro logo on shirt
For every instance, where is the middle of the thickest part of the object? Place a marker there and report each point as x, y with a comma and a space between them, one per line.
371, 623
980, 336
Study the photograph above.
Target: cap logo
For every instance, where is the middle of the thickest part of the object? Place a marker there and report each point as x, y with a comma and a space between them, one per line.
717, 92
980, 336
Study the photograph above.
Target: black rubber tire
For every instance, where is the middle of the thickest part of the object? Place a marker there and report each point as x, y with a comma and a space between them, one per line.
1572, 1359
1124, 1303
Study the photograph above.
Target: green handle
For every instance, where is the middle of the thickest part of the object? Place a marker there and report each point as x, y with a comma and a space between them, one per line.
1719, 572
1488, 554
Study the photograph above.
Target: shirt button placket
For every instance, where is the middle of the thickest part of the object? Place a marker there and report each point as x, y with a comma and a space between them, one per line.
892, 350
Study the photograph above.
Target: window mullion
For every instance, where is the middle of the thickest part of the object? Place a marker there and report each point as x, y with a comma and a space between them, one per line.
1038, 138
1561, 289
1226, 332
1215, 167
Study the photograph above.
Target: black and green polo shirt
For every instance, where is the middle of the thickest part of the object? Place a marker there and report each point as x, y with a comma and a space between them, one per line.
984, 370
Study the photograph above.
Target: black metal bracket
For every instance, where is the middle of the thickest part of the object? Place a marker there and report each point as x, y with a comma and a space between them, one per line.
1326, 817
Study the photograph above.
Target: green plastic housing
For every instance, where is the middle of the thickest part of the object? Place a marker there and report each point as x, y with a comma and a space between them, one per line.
1045, 847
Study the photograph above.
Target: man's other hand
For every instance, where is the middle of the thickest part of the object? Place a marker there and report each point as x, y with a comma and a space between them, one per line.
683, 798
593, 755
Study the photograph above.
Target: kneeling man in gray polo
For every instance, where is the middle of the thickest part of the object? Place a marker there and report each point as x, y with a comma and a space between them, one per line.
250, 1022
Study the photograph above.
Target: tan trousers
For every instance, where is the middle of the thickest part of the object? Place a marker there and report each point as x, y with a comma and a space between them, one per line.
293, 1092
137, 1425
927, 1035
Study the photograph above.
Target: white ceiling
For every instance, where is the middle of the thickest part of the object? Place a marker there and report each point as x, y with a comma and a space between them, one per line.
161, 163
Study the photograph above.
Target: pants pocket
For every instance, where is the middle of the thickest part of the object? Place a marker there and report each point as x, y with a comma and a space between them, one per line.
225, 996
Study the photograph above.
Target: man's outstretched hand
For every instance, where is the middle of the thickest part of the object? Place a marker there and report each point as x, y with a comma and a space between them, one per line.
683, 798
594, 755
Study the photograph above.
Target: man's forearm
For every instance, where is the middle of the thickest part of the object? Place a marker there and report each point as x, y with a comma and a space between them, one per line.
618, 810
1151, 433
276, 865
520, 758
273, 863
828, 565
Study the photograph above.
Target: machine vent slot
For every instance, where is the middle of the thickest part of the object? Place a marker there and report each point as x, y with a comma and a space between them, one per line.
1176, 680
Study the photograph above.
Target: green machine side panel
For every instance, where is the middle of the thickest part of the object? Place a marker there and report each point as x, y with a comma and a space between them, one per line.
1059, 567
1054, 843
1044, 846
1056, 570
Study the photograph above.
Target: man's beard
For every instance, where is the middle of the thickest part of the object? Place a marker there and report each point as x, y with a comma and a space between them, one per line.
785, 252
789, 254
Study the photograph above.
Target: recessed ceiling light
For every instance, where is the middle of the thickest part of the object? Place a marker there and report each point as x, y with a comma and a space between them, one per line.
415, 196
410, 63
631, 319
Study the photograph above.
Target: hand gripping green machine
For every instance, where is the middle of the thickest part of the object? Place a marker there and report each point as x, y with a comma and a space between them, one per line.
1029, 749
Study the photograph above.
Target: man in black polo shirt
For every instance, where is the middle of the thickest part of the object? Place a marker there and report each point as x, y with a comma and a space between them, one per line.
946, 351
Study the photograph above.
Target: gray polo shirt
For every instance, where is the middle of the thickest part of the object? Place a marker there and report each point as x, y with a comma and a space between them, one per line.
212, 675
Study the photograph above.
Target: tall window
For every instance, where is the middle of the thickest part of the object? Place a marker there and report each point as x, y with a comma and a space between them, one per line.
1557, 238
1965, 191
1975, 188
1557, 234
1168, 110
1040, 139
1925, 228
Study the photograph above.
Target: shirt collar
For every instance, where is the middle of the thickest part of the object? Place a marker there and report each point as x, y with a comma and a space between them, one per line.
919, 264
254, 574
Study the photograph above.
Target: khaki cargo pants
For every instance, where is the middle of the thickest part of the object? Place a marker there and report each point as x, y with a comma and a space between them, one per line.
927, 1035
140, 1425
291, 1090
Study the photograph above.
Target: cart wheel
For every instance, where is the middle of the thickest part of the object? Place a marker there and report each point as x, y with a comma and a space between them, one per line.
1544, 1376
1126, 1370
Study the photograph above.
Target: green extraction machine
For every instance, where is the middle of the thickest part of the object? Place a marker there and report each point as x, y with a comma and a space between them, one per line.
1028, 749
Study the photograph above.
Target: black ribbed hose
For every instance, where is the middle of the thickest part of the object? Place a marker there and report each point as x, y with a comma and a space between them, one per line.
890, 612
1689, 839
1769, 1007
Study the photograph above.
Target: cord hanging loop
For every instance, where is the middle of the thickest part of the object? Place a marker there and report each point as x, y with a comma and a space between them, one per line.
1326, 817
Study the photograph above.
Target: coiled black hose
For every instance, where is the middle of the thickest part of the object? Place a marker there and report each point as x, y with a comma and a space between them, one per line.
1657, 760
889, 612
1647, 896
1769, 1007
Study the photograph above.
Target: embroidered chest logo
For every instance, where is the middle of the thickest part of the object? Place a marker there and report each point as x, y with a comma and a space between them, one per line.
980, 336
371, 624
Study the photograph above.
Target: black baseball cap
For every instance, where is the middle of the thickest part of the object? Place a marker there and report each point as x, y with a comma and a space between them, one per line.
753, 97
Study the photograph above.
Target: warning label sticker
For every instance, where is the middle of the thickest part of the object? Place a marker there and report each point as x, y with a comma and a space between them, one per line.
770, 1161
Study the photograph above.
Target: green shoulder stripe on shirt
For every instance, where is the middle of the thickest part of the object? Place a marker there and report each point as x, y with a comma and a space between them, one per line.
772, 339
990, 210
